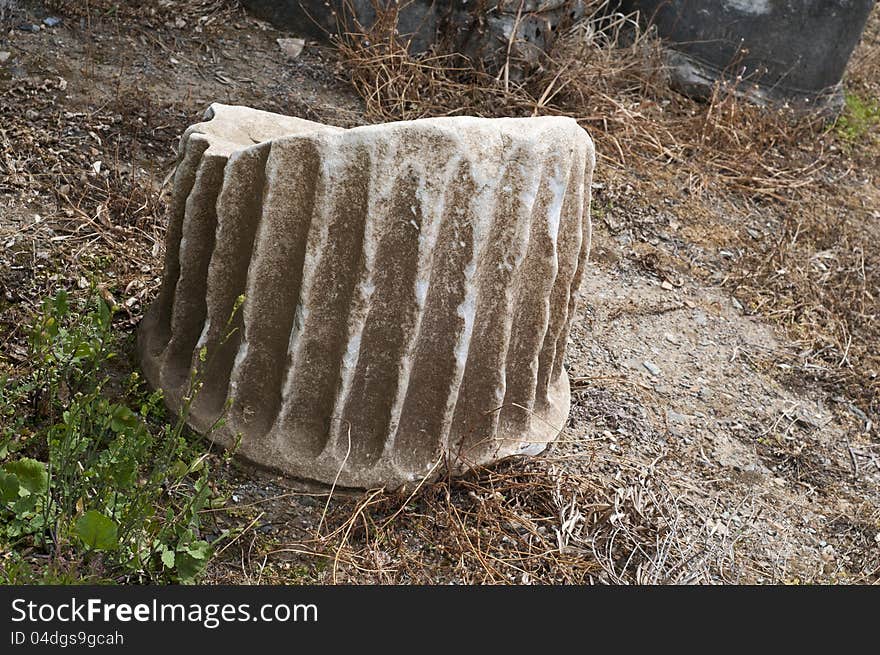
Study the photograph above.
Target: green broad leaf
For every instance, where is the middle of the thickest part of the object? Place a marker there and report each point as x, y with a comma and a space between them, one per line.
51, 326
122, 419
36, 523
178, 470
188, 567
61, 305
104, 314
25, 505
84, 350
168, 559
200, 550
124, 474
14, 530
31, 474
96, 531
8, 487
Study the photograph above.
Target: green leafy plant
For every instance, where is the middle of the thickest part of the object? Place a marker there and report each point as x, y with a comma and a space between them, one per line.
93, 469
859, 117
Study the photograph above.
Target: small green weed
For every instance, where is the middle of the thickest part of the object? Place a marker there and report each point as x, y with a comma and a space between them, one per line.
91, 472
859, 117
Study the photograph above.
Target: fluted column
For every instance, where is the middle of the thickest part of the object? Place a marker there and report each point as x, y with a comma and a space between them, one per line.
408, 290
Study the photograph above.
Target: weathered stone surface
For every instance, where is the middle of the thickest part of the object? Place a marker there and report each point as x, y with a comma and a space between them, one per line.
768, 52
408, 290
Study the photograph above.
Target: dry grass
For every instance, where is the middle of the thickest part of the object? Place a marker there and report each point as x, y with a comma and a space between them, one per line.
609, 75
560, 519
100, 214
99, 209
198, 15
579, 514
819, 280
818, 277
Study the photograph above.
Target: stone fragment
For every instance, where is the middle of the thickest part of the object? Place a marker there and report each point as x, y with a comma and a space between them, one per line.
407, 290
292, 48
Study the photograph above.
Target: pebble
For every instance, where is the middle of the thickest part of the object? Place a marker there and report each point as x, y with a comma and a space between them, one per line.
29, 27
51, 21
4, 56
675, 417
653, 369
808, 419
857, 412
291, 47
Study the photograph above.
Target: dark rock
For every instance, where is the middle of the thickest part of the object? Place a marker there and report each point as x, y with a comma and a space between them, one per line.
791, 51
320, 19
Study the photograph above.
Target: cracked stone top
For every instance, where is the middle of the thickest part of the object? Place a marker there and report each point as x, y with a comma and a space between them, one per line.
407, 290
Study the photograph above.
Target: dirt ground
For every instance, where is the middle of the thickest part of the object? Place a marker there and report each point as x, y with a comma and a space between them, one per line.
696, 451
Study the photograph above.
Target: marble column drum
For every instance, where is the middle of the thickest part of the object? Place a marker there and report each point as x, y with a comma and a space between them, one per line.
377, 305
